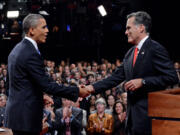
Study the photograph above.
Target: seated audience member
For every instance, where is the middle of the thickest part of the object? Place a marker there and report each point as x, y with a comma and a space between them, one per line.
92, 107
84, 119
91, 78
110, 102
119, 116
48, 114
2, 87
124, 99
107, 93
3, 99
99, 95
100, 123
68, 120
48, 105
113, 92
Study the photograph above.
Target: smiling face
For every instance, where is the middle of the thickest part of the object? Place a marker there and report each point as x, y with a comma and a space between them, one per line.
134, 32
119, 108
40, 32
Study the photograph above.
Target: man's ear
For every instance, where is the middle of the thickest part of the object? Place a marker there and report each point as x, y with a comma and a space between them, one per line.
31, 31
142, 28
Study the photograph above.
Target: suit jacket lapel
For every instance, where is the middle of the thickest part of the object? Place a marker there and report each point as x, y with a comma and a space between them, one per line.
74, 112
128, 64
141, 55
32, 47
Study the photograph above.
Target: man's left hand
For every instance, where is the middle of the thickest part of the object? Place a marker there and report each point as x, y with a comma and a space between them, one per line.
133, 85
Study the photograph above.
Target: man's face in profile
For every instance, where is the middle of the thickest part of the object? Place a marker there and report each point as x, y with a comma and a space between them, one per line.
40, 32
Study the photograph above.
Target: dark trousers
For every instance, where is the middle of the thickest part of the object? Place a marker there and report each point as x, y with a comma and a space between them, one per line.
15, 132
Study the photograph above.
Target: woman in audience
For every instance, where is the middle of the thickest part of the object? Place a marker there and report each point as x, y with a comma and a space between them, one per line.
92, 107
110, 102
100, 123
119, 116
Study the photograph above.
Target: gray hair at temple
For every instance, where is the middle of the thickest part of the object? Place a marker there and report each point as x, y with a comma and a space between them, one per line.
31, 21
142, 17
100, 101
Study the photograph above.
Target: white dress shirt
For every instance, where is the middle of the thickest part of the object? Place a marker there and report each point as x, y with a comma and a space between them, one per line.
33, 42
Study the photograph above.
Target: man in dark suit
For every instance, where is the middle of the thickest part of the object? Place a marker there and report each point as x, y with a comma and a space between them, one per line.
151, 70
28, 81
68, 119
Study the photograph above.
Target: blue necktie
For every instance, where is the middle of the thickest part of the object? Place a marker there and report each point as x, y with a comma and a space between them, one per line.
38, 52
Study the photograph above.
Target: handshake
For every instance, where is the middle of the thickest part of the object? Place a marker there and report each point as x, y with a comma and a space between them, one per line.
85, 91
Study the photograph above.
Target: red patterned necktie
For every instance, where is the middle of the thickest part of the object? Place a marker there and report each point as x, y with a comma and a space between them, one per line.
135, 55
68, 130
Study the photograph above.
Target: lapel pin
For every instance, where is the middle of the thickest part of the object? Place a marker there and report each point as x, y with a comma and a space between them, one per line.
142, 53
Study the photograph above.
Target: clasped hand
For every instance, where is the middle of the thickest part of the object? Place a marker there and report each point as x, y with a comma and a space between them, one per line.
85, 91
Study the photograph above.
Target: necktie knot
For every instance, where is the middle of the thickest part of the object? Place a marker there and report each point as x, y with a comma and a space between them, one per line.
135, 55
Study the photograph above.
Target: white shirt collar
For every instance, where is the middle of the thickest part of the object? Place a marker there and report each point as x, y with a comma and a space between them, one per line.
141, 43
33, 42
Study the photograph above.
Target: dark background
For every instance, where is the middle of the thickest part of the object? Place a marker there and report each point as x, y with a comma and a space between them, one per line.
92, 37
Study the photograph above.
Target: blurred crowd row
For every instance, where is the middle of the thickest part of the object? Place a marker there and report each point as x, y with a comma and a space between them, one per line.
104, 113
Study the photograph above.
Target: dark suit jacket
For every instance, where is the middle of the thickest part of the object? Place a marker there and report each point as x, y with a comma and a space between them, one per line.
47, 114
154, 66
76, 123
27, 82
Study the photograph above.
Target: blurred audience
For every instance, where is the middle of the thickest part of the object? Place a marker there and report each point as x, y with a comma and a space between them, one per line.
71, 118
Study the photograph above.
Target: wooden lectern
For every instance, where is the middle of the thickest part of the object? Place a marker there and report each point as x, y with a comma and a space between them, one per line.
164, 110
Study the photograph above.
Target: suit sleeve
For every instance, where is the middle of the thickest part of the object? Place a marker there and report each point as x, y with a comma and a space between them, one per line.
77, 120
35, 68
58, 124
115, 79
163, 66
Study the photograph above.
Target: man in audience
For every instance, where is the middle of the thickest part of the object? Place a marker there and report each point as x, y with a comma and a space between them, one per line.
68, 120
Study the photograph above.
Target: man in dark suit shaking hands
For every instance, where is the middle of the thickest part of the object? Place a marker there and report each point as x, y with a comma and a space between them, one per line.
146, 67
28, 81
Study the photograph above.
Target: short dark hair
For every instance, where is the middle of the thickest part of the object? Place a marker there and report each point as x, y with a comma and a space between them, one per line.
142, 17
31, 21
